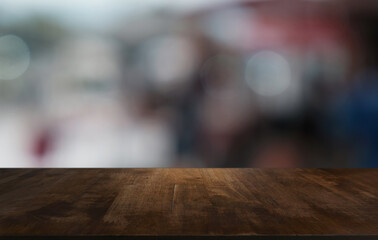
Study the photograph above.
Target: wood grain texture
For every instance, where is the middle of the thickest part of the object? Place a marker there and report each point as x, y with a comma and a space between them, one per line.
189, 202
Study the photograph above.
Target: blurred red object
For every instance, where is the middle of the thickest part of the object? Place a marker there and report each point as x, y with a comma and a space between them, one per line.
42, 144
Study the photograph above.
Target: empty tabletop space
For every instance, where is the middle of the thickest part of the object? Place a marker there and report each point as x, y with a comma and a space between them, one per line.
189, 203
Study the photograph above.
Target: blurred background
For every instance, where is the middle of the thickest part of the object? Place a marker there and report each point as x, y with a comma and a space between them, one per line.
190, 83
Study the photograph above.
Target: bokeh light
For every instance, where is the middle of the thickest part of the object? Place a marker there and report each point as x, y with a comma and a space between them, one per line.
14, 57
231, 27
170, 60
268, 73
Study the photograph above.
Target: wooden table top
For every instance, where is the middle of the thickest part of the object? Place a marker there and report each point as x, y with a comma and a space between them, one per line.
195, 203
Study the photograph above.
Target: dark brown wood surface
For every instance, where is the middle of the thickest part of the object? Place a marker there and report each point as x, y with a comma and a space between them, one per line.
188, 202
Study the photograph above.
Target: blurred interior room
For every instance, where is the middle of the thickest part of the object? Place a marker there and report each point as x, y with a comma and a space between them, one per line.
191, 83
